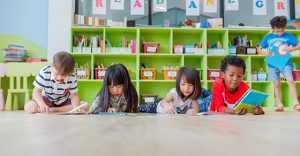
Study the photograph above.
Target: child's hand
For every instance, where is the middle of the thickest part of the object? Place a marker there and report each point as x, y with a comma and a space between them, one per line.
288, 49
258, 110
170, 110
268, 53
112, 110
191, 112
242, 111
44, 109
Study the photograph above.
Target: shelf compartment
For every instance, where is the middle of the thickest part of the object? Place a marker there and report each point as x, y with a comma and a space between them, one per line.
158, 62
160, 35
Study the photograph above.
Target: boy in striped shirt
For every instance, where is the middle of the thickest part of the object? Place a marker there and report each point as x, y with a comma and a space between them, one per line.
55, 87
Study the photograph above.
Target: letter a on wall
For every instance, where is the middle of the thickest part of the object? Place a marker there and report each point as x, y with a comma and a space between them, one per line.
259, 7
99, 7
137, 7
192, 8
281, 8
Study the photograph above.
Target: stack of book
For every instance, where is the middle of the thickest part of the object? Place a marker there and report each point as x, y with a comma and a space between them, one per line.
15, 53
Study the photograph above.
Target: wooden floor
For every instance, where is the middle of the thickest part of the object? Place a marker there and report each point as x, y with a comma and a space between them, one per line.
35, 135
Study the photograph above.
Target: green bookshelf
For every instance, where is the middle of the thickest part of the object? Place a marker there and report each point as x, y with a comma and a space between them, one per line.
128, 60
168, 37
159, 62
189, 37
254, 35
215, 35
161, 35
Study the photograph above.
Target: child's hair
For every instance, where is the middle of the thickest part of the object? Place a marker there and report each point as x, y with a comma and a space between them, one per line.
64, 63
278, 22
234, 61
117, 74
192, 77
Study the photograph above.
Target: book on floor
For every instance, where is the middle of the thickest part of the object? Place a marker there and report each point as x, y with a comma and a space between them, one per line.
250, 99
74, 113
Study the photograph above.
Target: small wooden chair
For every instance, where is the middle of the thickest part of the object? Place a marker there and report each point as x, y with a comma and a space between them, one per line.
2, 74
16, 73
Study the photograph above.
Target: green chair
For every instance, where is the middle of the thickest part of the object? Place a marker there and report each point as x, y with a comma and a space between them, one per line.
18, 74
2, 74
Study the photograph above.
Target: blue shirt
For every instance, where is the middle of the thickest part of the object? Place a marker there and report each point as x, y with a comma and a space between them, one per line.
272, 41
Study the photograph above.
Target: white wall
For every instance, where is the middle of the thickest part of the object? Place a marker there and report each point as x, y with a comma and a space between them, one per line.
60, 18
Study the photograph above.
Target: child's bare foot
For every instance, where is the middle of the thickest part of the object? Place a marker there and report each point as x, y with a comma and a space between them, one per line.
280, 108
297, 107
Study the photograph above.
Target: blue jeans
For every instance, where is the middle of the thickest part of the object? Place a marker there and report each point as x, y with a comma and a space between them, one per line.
274, 73
204, 103
149, 108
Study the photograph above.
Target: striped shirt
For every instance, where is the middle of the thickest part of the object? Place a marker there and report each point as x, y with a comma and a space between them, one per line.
56, 92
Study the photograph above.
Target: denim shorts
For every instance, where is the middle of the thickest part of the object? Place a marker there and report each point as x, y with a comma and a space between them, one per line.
204, 104
274, 73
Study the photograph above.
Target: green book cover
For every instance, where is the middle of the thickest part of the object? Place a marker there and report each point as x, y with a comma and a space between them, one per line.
250, 99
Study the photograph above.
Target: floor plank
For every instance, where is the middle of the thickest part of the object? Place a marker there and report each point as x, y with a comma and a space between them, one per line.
271, 134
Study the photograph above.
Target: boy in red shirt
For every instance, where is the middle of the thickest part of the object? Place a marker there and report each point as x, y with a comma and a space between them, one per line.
228, 89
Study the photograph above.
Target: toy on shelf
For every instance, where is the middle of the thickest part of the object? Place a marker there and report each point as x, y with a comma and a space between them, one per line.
97, 44
36, 60
261, 75
244, 46
188, 22
81, 20
198, 49
100, 72
166, 23
170, 73
296, 73
216, 49
147, 73
178, 49
232, 50
127, 47
151, 47
82, 72
84, 44
215, 23
254, 76
187, 49
213, 74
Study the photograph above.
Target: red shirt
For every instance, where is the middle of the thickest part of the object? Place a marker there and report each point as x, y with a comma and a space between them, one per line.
221, 93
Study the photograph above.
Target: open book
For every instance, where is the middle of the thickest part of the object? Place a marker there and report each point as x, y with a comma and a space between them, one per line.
75, 111
250, 99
